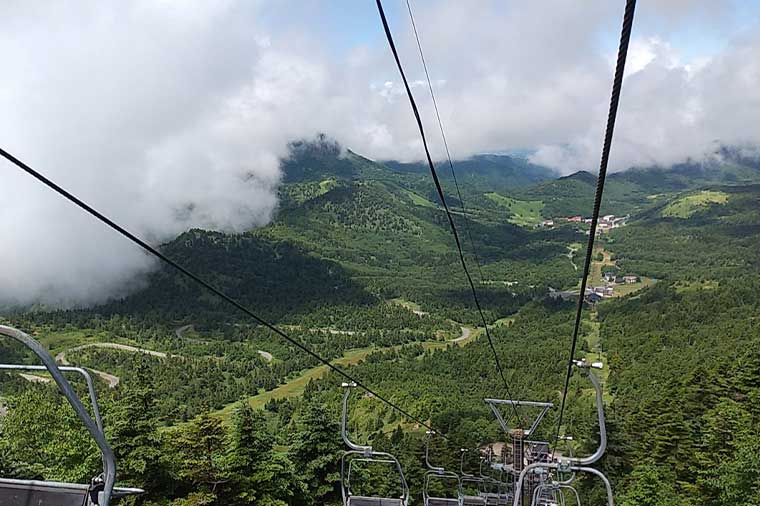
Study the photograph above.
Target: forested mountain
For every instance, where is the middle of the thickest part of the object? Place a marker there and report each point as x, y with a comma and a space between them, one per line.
360, 265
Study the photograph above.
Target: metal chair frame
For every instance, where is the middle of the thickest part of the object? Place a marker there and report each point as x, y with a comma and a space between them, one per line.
361, 453
557, 489
581, 464
501, 496
470, 478
438, 473
95, 428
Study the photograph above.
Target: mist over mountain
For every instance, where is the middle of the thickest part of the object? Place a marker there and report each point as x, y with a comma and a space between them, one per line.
112, 273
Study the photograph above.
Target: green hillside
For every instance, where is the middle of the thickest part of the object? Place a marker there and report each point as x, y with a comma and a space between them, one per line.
359, 264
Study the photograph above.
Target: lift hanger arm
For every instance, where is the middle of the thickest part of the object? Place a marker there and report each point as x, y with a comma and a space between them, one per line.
71, 396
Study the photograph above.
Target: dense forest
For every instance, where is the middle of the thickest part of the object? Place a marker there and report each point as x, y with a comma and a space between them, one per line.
211, 409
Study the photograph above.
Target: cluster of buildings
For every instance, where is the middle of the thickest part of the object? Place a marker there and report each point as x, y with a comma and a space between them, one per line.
595, 294
610, 221
605, 223
612, 277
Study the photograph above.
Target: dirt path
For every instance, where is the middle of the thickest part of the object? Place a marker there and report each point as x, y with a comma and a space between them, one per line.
113, 381
571, 251
179, 331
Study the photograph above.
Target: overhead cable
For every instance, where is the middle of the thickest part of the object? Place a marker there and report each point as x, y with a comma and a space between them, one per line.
445, 144
617, 85
442, 198
205, 284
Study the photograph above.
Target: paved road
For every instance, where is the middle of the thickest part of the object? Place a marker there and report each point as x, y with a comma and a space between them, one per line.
112, 380
34, 378
466, 331
181, 330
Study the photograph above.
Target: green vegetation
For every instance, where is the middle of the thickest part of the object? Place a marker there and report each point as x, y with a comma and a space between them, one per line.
359, 265
689, 204
419, 200
526, 213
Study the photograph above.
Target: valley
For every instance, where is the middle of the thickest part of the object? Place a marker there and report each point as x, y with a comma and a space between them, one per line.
359, 265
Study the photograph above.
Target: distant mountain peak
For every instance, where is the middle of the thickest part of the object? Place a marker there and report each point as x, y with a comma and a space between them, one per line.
581, 175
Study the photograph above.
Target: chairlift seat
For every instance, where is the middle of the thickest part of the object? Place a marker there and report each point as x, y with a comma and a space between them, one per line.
442, 501
358, 500
492, 499
473, 500
49, 493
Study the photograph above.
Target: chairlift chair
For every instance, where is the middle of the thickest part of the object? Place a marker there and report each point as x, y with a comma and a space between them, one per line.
503, 487
15, 492
476, 481
577, 464
359, 453
494, 489
439, 474
556, 495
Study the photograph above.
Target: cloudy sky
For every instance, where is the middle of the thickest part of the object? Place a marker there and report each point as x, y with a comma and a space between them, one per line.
169, 114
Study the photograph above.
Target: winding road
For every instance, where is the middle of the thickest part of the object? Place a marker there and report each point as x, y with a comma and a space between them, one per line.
61, 357
113, 381
466, 331
179, 331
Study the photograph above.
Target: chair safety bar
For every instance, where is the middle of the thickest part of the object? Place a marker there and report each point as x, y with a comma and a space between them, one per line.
109, 461
361, 453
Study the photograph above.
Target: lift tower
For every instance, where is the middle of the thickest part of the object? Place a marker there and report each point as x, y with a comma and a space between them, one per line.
517, 435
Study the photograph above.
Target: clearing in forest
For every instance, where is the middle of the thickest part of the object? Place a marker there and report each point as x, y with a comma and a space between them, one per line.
525, 213
690, 204
419, 200
296, 386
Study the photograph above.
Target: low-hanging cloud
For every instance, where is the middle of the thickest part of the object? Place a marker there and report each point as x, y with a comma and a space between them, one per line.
169, 116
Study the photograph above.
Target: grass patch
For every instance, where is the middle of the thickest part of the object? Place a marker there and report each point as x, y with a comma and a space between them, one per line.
525, 213
296, 386
419, 200
406, 304
693, 286
623, 289
597, 267
686, 206
61, 341
327, 185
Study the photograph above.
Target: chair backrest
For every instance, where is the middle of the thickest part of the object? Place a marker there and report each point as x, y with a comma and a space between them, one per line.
431, 500
48, 493
361, 453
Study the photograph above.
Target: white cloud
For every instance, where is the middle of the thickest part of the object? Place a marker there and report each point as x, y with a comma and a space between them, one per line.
168, 116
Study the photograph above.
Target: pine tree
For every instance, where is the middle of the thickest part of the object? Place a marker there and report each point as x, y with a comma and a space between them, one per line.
258, 476
199, 453
316, 451
135, 439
